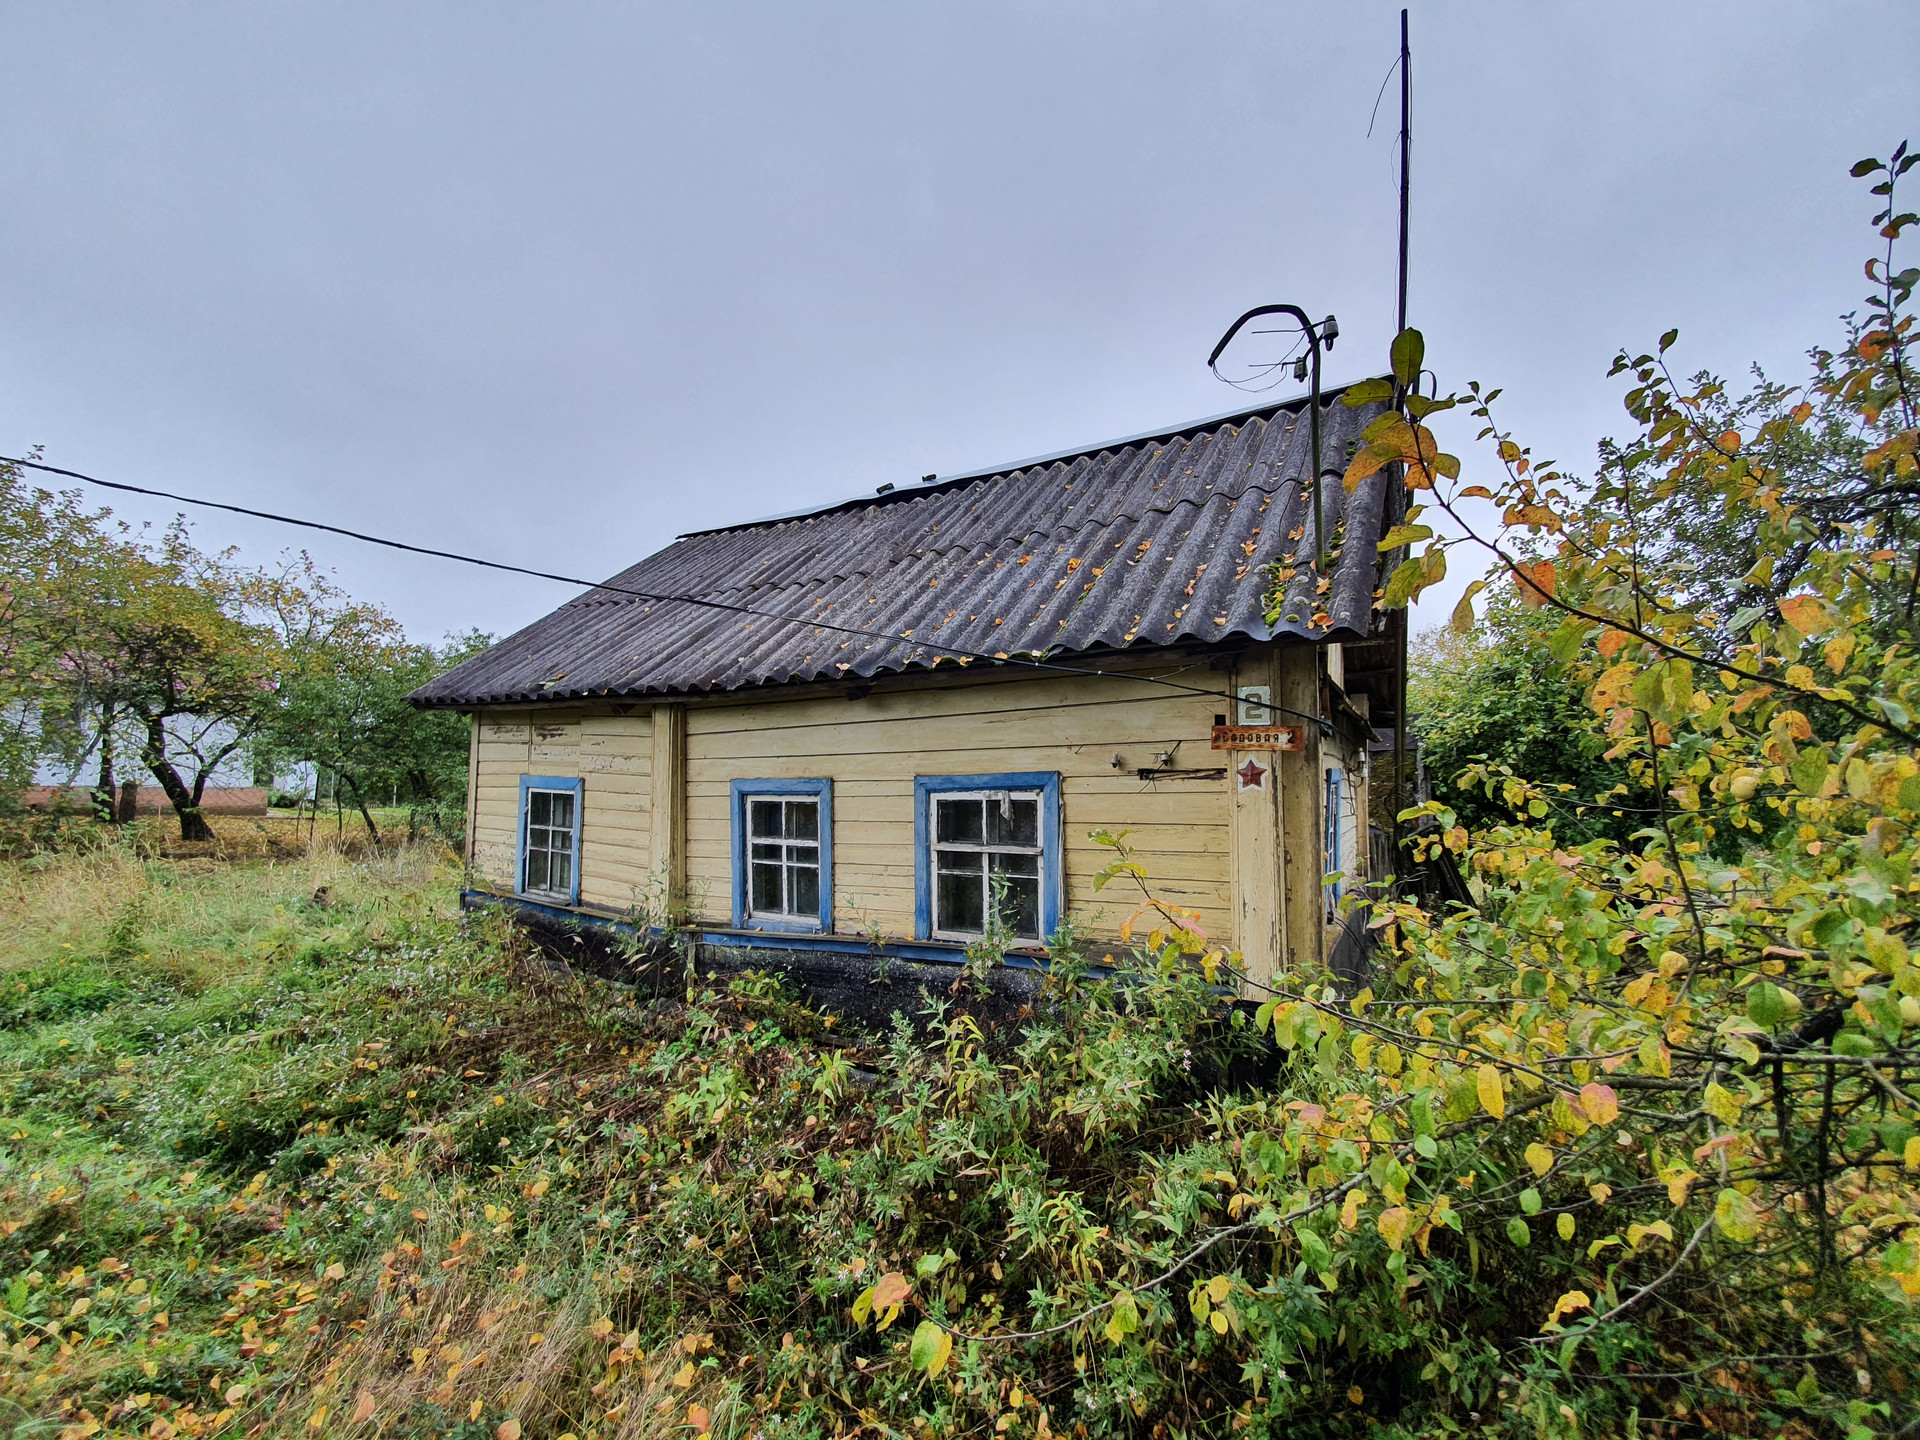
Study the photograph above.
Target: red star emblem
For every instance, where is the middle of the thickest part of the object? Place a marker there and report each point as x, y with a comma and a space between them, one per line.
1252, 775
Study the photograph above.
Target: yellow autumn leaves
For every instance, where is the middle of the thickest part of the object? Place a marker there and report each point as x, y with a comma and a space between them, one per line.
1211, 1306
1390, 440
932, 1343
931, 1347
1491, 1090
883, 1299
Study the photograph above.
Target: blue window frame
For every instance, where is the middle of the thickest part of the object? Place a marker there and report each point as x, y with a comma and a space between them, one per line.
974, 835
548, 865
1333, 844
783, 855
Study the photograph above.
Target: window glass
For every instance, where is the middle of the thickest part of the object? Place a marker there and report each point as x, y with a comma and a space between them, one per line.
783, 857
961, 819
1335, 821
549, 842
986, 842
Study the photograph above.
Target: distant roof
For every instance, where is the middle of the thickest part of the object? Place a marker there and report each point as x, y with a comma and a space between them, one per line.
1155, 540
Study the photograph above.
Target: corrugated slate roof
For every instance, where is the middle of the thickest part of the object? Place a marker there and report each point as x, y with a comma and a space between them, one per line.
1153, 541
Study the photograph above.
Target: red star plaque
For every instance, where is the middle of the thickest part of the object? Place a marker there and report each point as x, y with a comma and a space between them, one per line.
1252, 775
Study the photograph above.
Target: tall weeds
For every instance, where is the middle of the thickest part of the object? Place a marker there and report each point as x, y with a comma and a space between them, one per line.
360, 1166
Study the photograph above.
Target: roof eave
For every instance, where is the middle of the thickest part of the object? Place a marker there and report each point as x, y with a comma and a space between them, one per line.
1232, 642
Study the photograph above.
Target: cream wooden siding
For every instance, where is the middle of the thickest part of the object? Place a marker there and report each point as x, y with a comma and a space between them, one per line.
612, 757
872, 749
505, 750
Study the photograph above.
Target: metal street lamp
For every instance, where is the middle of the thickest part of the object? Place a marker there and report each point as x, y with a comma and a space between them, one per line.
1319, 337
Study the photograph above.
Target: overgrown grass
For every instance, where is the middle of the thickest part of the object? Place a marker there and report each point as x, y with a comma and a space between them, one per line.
293, 1148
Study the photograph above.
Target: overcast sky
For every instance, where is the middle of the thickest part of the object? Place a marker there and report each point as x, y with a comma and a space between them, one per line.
552, 284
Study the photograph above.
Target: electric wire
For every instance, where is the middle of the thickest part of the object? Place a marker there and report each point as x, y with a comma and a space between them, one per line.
1382, 95
1030, 662
1257, 381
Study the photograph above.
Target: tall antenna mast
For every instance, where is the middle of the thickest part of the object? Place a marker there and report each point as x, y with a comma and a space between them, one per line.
1400, 669
1406, 157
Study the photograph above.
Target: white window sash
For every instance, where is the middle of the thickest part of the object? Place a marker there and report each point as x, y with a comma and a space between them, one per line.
936, 846
564, 834
786, 862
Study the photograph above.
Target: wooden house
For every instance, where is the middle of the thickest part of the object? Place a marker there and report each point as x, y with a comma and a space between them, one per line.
829, 732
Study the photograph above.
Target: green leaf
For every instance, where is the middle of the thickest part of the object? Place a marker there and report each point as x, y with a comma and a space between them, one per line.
930, 1349
1405, 582
1567, 1347
1405, 535
1765, 1004
1124, 1319
1409, 354
1721, 1103
1863, 168
1317, 1253
1118, 867
1367, 392
1463, 619
1735, 1216
1567, 638
1421, 1113
1810, 770
1668, 339
1530, 1200
1518, 1232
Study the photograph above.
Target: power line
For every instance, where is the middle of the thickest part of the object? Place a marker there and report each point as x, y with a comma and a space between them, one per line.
697, 600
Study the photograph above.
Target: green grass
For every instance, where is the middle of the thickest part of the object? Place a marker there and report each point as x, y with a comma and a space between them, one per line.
187, 1054
294, 1148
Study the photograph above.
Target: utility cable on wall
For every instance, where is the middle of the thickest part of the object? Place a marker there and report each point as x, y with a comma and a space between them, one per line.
696, 600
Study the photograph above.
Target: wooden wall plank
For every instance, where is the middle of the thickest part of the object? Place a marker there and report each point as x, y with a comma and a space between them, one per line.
872, 748
1256, 897
650, 800
1297, 685
668, 774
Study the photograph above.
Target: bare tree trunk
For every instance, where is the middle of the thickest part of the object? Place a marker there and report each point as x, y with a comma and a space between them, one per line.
103, 792
186, 803
360, 800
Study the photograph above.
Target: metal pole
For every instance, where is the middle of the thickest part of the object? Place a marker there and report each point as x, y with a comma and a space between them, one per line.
1319, 537
1406, 156
1400, 644
1314, 342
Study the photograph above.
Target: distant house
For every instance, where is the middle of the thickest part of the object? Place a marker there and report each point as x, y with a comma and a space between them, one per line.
236, 800
775, 781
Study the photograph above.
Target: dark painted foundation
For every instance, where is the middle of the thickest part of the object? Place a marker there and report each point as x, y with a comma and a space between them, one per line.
866, 986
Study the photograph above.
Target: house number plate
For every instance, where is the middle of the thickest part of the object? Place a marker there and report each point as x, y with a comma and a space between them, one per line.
1258, 737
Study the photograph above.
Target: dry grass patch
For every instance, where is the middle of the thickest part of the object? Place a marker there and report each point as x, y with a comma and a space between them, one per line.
451, 1332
